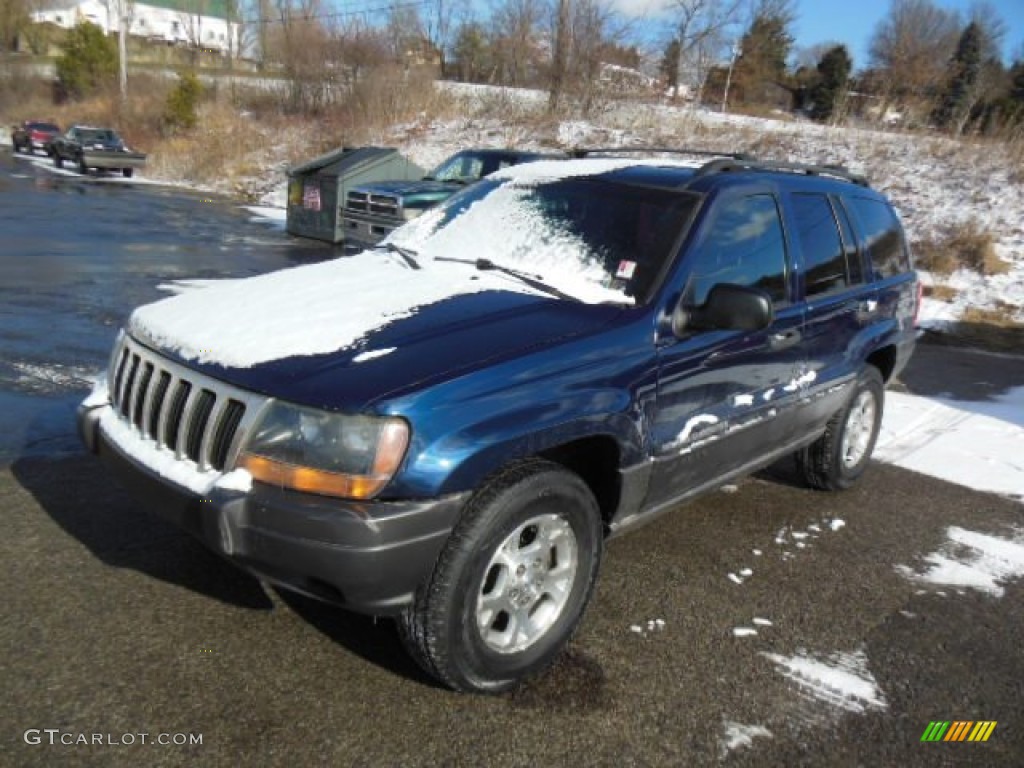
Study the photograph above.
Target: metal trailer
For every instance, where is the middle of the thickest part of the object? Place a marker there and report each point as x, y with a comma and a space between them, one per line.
317, 189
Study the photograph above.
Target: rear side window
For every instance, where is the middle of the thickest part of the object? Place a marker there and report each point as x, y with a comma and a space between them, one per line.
825, 263
883, 238
744, 246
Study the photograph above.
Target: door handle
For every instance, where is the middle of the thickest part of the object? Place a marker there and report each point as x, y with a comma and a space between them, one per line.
868, 306
784, 340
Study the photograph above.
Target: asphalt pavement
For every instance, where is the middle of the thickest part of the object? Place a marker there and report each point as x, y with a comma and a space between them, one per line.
121, 633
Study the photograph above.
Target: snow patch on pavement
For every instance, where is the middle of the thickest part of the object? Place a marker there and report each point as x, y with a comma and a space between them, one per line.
44, 378
972, 560
976, 444
738, 736
842, 681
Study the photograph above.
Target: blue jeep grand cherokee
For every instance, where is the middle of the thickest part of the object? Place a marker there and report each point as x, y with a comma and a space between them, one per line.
447, 428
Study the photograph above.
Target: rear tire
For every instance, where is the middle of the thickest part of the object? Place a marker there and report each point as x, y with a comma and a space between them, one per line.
57, 159
82, 167
839, 457
512, 581
127, 172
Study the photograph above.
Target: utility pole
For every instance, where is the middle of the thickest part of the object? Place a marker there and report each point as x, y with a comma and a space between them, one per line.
736, 53
560, 57
122, 47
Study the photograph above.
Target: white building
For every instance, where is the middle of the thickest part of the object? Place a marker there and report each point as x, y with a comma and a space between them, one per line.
197, 23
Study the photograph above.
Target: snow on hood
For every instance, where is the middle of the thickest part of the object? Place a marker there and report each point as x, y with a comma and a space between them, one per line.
306, 310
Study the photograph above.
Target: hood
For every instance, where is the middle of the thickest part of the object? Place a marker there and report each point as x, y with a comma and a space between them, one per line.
454, 337
406, 188
346, 333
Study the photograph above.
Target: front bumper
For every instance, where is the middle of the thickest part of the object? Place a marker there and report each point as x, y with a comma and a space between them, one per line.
369, 557
365, 231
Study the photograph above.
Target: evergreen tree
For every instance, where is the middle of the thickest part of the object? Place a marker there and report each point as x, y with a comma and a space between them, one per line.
181, 109
89, 61
765, 47
670, 65
833, 75
1017, 81
472, 52
964, 73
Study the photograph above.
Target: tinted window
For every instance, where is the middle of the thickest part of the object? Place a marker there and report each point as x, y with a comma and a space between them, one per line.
744, 246
820, 243
854, 260
882, 236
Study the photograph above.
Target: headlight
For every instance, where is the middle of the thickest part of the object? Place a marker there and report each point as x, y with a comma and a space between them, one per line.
327, 453
411, 213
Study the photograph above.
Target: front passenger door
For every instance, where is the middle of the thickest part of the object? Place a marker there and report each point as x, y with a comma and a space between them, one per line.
725, 398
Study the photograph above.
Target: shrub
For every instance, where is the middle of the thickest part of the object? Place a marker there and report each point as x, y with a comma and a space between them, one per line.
975, 249
964, 245
180, 112
89, 61
940, 292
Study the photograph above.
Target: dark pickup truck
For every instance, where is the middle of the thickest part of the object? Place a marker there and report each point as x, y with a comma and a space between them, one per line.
372, 211
99, 148
446, 429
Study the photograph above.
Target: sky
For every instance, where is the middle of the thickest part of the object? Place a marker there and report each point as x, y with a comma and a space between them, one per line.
853, 23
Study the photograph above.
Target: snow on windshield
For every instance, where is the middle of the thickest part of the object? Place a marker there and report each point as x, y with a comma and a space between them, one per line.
505, 228
522, 218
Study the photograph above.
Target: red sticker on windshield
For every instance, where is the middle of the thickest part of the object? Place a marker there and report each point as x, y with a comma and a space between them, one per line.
626, 269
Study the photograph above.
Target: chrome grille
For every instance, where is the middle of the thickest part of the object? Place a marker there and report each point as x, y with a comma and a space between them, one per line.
365, 202
198, 418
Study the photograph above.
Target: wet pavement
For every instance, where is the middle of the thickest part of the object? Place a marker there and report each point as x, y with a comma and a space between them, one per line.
76, 255
117, 624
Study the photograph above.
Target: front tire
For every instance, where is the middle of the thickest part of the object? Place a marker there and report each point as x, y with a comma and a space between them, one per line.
838, 458
58, 161
512, 582
127, 172
82, 167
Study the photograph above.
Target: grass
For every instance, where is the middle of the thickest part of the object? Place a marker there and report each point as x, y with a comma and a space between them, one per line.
962, 246
940, 292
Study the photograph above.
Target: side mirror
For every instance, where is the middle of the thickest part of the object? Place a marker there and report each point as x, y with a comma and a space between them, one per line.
728, 308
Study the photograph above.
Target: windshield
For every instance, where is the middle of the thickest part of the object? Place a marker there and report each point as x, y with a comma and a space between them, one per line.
97, 135
466, 167
593, 239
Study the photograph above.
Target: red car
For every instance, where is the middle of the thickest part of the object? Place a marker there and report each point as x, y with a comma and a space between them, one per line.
32, 135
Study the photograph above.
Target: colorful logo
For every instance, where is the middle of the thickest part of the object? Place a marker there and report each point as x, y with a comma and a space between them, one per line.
958, 730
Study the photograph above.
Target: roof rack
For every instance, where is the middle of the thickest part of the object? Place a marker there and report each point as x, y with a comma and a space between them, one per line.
581, 152
724, 165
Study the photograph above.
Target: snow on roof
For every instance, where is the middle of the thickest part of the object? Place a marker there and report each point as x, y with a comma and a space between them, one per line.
553, 170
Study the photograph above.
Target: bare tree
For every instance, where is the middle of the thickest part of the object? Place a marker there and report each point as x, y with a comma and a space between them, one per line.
405, 33
560, 54
909, 50
14, 17
514, 25
702, 30
299, 41
438, 18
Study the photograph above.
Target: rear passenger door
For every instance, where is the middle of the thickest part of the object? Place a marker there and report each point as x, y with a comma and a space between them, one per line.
725, 398
839, 302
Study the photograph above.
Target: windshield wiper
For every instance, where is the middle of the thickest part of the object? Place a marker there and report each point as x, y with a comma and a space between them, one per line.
407, 255
534, 281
